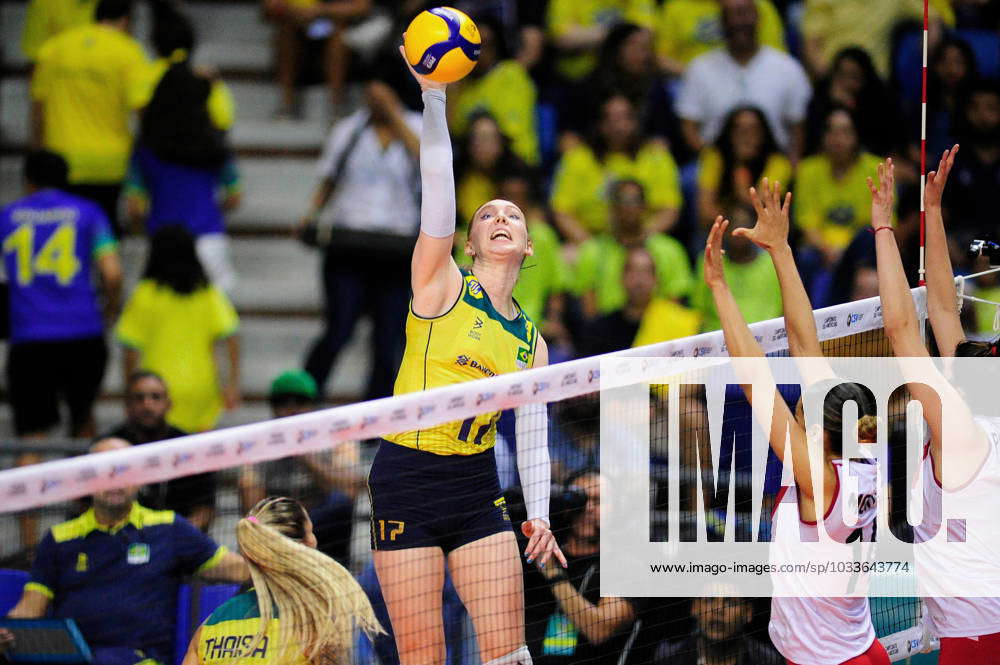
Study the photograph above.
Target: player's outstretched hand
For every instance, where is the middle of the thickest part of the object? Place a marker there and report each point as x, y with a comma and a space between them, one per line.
425, 83
771, 230
934, 189
541, 543
883, 195
714, 274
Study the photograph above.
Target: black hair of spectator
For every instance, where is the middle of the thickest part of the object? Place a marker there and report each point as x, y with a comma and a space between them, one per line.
609, 77
964, 132
507, 161
140, 375
597, 141
112, 10
607, 55
44, 169
176, 124
498, 35
618, 185
840, 108
875, 113
172, 30
860, 57
173, 261
581, 473
934, 86
518, 170
724, 144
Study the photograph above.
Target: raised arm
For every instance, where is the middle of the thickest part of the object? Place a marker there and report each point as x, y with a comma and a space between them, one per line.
968, 443
942, 308
434, 275
741, 343
898, 312
771, 234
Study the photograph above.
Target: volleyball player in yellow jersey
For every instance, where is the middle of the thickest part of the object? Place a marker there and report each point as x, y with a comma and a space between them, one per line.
435, 492
303, 607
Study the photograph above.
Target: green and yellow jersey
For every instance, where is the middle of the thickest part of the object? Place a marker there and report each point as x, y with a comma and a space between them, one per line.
470, 341
229, 631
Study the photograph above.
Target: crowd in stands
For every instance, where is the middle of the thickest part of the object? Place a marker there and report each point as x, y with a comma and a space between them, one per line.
620, 127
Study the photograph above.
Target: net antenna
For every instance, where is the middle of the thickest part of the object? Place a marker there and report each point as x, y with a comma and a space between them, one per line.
923, 148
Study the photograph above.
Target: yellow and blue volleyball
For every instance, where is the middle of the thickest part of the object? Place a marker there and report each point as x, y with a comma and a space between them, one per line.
442, 44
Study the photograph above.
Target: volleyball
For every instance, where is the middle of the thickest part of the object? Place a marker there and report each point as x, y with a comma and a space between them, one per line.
442, 44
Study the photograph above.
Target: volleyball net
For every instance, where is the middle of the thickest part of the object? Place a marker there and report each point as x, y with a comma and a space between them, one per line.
323, 457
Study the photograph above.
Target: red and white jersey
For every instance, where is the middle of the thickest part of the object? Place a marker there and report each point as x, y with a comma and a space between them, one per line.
950, 566
812, 622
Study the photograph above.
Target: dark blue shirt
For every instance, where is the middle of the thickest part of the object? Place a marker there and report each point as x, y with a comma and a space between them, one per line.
50, 242
120, 584
180, 194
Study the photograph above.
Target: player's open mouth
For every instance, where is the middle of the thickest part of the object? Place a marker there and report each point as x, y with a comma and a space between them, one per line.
500, 233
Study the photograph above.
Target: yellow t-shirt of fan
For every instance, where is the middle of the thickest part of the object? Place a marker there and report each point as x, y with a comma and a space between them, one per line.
470, 341
85, 79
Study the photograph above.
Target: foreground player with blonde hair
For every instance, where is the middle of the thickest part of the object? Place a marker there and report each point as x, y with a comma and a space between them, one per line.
303, 607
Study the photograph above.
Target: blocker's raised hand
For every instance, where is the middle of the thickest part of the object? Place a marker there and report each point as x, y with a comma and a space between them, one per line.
771, 229
934, 188
884, 195
714, 274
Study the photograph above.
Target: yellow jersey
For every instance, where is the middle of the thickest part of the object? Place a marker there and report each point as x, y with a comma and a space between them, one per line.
86, 79
230, 630
470, 341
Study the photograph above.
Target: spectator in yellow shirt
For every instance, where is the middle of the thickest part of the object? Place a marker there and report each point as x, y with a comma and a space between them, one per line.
501, 86
47, 18
832, 199
744, 153
83, 93
577, 28
619, 151
644, 318
686, 29
601, 260
171, 325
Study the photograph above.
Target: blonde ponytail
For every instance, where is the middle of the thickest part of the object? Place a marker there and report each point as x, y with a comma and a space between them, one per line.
318, 602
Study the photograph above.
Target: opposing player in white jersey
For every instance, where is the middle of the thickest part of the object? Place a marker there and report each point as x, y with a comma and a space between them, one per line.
812, 630
969, 627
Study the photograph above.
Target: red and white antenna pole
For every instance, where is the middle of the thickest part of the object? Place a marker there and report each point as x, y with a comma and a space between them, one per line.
923, 147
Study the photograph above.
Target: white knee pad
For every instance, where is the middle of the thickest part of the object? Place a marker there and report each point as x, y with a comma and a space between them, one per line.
518, 657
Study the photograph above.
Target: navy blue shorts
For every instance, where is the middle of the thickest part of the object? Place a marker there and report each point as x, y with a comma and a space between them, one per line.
420, 499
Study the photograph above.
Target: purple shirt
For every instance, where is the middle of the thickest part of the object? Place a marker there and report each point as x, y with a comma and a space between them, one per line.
50, 242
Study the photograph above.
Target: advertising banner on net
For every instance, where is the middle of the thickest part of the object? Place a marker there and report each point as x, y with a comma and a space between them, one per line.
800, 477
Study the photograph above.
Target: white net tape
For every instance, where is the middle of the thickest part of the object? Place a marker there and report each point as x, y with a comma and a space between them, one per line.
51, 482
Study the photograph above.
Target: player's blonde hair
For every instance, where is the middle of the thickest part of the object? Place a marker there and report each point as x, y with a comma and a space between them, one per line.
317, 600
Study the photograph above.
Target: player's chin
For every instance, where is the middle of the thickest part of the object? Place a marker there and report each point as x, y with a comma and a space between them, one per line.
505, 246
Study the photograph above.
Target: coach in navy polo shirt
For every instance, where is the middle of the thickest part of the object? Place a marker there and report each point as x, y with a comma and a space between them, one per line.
116, 570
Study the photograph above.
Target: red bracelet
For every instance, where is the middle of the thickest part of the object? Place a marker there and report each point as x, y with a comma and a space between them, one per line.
881, 228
